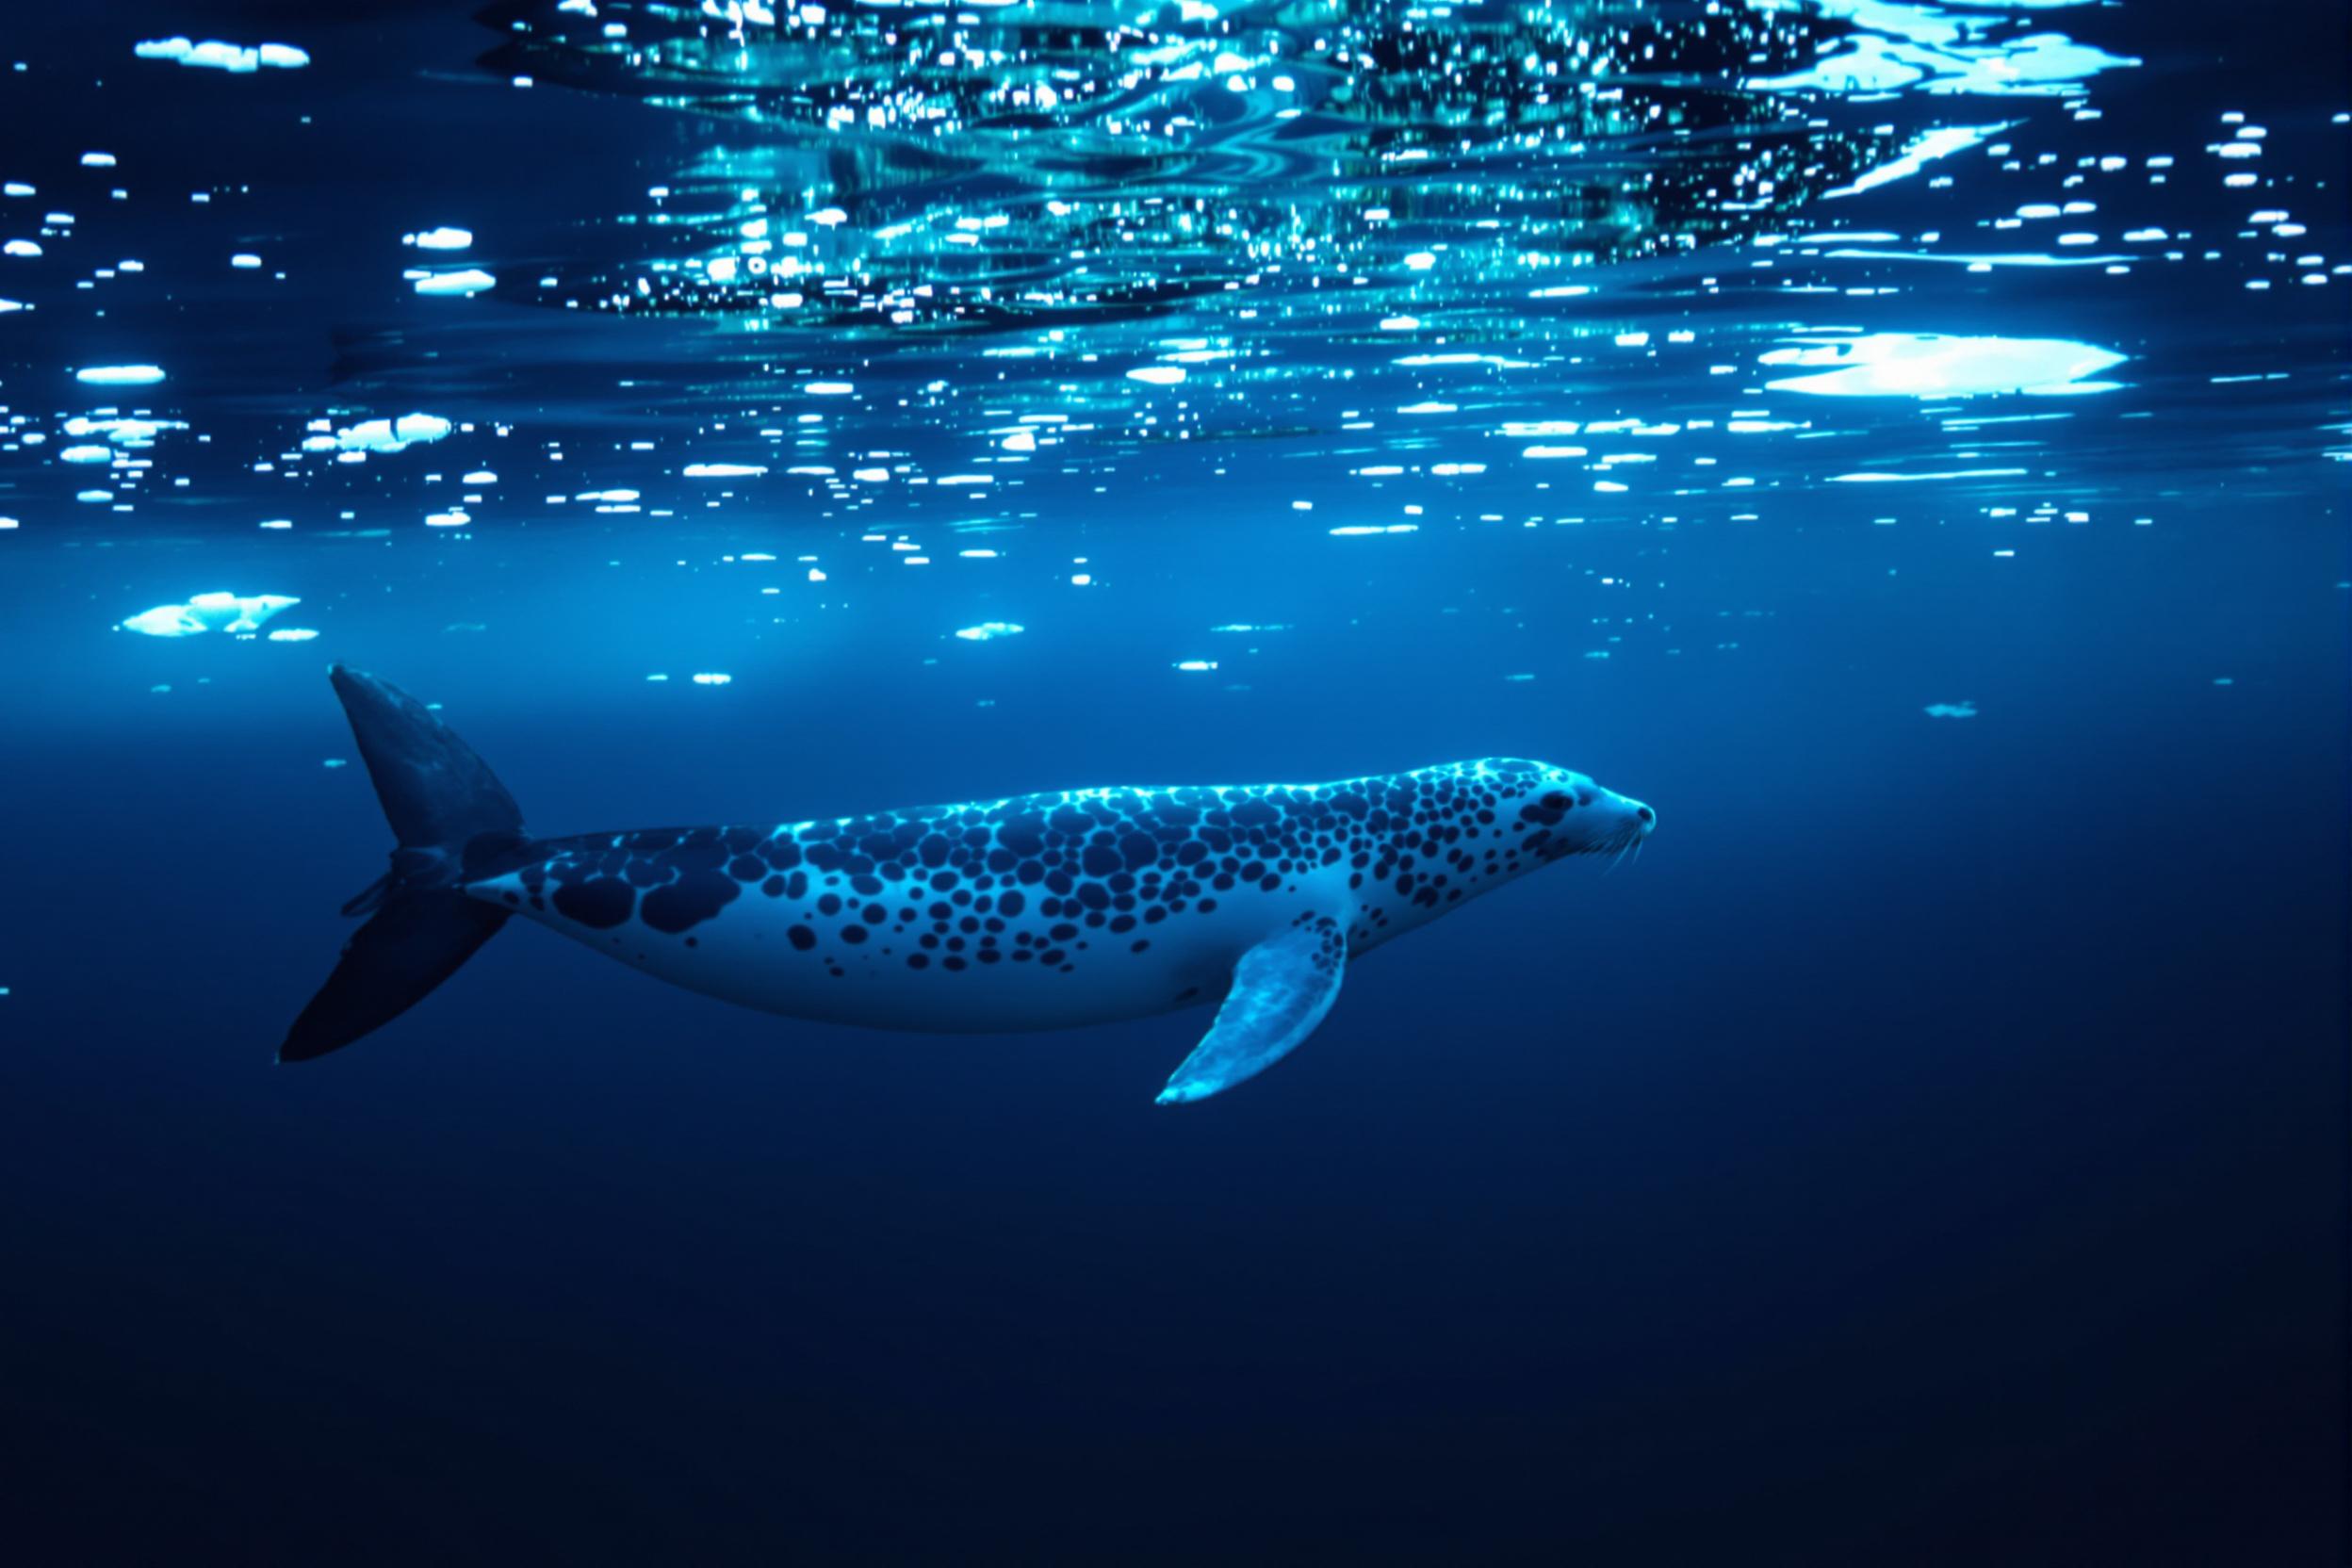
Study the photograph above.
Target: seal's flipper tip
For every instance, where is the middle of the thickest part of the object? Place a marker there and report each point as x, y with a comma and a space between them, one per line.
412, 944
1281, 988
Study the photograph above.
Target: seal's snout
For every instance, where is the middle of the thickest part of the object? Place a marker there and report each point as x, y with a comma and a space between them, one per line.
1649, 818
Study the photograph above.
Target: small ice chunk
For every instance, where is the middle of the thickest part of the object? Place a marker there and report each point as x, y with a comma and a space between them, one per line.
989, 631
391, 436
1965, 709
712, 678
119, 375
439, 240
87, 454
473, 279
293, 634
723, 470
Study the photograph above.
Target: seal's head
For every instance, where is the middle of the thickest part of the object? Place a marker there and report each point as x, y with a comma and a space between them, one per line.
1562, 812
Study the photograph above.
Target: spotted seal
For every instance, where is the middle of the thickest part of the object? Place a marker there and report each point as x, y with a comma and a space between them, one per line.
1039, 912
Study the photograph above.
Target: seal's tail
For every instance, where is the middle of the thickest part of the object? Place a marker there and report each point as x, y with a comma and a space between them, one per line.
443, 802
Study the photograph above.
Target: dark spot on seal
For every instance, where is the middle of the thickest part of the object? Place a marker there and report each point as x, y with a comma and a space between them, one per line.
688, 901
802, 937
599, 902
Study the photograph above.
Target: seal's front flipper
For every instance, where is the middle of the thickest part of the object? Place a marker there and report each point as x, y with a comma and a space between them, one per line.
1281, 988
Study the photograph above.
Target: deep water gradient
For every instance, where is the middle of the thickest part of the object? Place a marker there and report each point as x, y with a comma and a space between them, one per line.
1930, 1151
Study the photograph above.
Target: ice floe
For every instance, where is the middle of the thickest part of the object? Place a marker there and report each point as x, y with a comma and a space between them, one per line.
237, 58
1965, 708
723, 470
240, 616
989, 631
439, 240
1930, 365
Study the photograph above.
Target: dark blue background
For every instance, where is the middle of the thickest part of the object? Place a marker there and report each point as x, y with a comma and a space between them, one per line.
1932, 1150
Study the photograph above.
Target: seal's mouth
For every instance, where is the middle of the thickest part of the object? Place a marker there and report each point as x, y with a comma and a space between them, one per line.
1622, 845
1624, 842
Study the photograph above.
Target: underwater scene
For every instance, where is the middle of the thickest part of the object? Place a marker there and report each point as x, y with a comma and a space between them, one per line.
1790, 555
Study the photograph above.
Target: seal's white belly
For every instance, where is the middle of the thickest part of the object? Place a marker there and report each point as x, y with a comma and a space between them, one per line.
1041, 972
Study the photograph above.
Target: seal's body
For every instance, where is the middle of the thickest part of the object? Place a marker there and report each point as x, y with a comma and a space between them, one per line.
1040, 911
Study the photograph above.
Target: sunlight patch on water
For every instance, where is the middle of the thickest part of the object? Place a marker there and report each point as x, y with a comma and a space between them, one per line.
1930, 365
1898, 45
1941, 142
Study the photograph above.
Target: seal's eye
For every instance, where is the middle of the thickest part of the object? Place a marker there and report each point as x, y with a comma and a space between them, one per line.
1558, 802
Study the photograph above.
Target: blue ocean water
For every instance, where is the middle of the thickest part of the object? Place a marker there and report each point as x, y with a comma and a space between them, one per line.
1902, 440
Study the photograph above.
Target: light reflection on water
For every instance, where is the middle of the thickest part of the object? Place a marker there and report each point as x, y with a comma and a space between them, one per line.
914, 168
893, 269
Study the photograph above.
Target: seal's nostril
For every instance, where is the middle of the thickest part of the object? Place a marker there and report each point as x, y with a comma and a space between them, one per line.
1646, 814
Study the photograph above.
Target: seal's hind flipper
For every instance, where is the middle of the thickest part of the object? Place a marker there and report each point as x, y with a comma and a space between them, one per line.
1281, 988
442, 801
